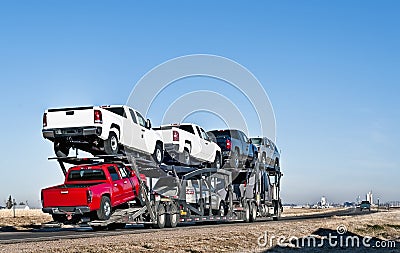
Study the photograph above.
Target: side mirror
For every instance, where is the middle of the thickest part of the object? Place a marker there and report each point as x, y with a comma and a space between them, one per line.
249, 141
148, 124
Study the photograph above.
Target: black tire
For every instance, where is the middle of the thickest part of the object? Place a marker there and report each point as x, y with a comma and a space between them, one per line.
217, 162
277, 211
104, 213
172, 216
111, 145
185, 157
59, 218
161, 217
235, 161
253, 212
158, 154
222, 209
61, 149
201, 206
246, 212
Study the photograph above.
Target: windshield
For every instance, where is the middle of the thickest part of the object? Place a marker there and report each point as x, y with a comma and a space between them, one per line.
86, 175
256, 141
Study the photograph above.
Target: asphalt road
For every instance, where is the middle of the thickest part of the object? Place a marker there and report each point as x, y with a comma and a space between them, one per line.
50, 234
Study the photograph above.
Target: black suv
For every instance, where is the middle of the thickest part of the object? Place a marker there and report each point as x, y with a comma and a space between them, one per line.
236, 148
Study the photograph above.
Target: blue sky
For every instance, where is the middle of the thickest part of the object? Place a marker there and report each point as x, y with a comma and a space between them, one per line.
330, 68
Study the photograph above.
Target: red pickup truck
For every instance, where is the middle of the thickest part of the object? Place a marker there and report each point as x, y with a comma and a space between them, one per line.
91, 191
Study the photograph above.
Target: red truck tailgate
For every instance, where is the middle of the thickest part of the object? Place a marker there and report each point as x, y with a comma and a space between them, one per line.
65, 196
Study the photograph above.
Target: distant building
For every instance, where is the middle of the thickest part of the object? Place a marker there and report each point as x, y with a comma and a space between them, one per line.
323, 201
369, 197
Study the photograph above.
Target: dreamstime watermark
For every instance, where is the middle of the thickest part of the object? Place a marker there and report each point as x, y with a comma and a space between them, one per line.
339, 238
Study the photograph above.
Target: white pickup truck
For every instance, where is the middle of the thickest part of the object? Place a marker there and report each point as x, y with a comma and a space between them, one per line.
189, 144
101, 130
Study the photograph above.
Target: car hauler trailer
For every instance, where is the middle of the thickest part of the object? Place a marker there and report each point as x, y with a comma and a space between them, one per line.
180, 194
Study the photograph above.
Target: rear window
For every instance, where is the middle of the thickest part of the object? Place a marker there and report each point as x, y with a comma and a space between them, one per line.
117, 110
221, 134
256, 141
365, 202
86, 175
187, 128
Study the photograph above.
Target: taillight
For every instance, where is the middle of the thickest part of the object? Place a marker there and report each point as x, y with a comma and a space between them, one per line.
190, 191
228, 144
98, 117
41, 198
44, 119
89, 196
175, 136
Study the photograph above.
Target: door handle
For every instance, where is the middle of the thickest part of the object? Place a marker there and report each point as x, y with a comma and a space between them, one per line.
115, 185
125, 182
143, 130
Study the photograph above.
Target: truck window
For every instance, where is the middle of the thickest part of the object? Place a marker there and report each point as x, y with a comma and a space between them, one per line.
235, 134
141, 120
117, 110
243, 136
198, 131
203, 134
86, 175
113, 173
133, 116
187, 128
122, 170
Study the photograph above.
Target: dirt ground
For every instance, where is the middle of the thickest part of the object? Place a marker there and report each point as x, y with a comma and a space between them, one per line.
382, 227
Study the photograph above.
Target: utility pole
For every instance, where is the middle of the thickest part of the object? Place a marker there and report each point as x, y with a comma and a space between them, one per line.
378, 204
14, 204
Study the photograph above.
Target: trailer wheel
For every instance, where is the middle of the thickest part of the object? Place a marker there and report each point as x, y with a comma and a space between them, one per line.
61, 149
277, 211
253, 212
221, 210
111, 144
104, 212
246, 212
161, 217
172, 216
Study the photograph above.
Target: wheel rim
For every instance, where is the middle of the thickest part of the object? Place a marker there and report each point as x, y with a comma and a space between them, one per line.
221, 210
161, 219
107, 208
114, 143
254, 212
174, 218
158, 155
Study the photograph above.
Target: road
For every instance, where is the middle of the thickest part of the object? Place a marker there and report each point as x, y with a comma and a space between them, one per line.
51, 234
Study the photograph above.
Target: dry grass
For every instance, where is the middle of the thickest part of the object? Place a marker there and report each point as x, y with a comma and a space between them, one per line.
24, 219
235, 238
289, 212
